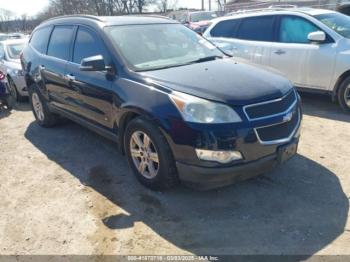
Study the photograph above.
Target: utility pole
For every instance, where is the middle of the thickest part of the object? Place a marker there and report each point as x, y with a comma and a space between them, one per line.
209, 5
202, 5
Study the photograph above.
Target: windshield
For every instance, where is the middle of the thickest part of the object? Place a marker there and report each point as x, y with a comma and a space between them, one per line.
14, 50
336, 21
157, 46
202, 16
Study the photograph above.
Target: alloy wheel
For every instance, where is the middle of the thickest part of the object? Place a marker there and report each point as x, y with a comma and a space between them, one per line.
38, 107
144, 154
347, 96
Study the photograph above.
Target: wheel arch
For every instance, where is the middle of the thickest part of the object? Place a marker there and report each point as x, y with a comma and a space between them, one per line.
129, 114
29, 81
337, 85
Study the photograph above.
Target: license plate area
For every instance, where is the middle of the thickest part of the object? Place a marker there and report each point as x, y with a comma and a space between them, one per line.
286, 152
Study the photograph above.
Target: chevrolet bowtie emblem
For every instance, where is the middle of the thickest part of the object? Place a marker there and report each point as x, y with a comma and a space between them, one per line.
288, 117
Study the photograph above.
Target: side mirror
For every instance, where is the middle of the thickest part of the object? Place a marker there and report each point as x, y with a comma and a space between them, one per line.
317, 37
93, 63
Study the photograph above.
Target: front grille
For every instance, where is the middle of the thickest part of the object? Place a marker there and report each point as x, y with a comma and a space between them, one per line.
280, 131
270, 108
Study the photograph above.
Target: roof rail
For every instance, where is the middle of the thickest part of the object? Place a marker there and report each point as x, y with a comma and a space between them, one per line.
150, 15
283, 6
270, 8
76, 16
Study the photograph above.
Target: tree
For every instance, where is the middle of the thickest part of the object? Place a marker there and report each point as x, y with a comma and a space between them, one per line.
165, 5
94, 7
24, 19
5, 17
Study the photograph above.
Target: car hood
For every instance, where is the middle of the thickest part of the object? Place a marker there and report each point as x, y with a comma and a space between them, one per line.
223, 80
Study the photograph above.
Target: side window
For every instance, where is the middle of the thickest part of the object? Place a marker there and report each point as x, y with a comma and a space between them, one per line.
60, 42
294, 29
87, 44
260, 28
226, 28
40, 38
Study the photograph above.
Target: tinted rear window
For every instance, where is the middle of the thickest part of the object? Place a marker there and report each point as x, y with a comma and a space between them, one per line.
259, 28
60, 42
40, 38
226, 28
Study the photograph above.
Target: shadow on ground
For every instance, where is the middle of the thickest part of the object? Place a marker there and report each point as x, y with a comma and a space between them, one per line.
4, 112
298, 209
322, 106
22, 106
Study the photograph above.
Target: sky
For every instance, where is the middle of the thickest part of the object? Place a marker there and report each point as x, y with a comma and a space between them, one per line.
32, 7
19, 7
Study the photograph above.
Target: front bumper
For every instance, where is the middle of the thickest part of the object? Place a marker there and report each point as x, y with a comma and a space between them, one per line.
205, 178
260, 140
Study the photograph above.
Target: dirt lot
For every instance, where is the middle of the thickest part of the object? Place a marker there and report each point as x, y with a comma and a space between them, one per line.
68, 191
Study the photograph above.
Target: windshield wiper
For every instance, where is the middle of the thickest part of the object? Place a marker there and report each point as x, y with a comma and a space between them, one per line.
206, 59
200, 60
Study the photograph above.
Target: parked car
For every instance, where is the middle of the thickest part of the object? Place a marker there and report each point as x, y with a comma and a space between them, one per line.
343, 7
16, 36
198, 21
178, 107
10, 64
308, 45
3, 37
6, 98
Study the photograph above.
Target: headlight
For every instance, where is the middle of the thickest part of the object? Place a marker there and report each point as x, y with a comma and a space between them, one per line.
198, 110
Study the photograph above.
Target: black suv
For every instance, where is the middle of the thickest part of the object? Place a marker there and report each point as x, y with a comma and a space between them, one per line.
179, 108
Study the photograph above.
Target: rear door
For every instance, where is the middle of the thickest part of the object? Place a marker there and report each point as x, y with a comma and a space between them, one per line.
91, 92
248, 38
255, 35
306, 64
223, 35
53, 67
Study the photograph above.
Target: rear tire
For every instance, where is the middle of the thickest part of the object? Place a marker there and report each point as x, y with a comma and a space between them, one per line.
153, 156
10, 102
13, 90
344, 95
41, 111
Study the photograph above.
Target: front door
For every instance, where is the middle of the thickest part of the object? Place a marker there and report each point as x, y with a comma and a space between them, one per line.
306, 64
91, 91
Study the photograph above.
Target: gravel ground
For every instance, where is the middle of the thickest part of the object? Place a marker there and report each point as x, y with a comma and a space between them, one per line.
66, 190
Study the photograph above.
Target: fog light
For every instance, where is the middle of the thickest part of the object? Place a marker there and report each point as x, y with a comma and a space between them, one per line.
219, 156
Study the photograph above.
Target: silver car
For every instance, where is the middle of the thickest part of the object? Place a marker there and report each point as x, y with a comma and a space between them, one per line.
11, 66
309, 46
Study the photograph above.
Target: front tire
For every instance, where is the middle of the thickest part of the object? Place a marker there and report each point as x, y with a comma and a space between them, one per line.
149, 155
41, 111
344, 95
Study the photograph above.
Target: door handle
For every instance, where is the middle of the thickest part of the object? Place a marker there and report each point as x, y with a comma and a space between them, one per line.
70, 77
280, 52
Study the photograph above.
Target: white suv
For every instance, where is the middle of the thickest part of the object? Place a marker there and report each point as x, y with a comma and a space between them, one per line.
310, 46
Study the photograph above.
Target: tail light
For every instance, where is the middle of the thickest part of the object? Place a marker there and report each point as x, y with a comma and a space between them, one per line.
2, 76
